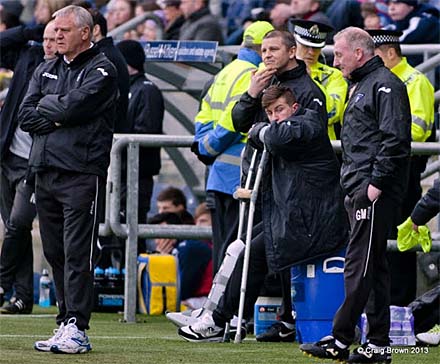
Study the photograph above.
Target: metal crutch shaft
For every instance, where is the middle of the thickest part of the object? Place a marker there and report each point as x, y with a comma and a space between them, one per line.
247, 248
242, 206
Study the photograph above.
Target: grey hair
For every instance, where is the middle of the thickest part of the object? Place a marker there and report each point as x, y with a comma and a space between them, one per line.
357, 38
82, 16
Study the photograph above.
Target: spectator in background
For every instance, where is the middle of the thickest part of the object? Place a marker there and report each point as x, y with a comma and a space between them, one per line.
370, 16
145, 116
403, 265
419, 24
343, 14
149, 31
174, 18
308, 10
236, 13
16, 202
71, 116
194, 258
199, 23
279, 15
119, 12
172, 199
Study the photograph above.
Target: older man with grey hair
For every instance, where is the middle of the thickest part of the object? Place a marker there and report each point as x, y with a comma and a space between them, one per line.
69, 110
376, 137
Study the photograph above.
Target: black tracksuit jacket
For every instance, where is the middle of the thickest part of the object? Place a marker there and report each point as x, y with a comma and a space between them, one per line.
81, 97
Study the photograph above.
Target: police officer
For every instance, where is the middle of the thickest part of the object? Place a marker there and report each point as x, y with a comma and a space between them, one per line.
376, 136
219, 144
310, 39
421, 99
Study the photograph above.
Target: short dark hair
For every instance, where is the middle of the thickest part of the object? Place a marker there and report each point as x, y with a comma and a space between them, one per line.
9, 20
287, 38
99, 19
395, 46
273, 93
173, 194
170, 218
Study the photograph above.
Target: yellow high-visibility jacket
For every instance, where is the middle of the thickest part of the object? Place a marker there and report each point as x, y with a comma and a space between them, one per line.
421, 99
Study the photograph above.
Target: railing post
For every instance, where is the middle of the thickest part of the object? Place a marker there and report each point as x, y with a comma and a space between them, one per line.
132, 227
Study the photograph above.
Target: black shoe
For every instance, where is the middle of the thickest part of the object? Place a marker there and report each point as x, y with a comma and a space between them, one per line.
367, 354
278, 332
2, 299
326, 348
16, 307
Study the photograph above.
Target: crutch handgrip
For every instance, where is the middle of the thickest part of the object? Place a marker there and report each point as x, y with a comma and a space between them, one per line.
242, 194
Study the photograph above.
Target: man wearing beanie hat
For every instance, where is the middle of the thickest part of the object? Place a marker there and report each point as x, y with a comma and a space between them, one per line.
419, 24
144, 116
311, 38
403, 266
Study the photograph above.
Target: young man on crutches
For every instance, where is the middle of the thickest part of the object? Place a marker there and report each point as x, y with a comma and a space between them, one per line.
302, 207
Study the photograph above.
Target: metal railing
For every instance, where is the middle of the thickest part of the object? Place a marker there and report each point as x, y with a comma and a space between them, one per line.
131, 230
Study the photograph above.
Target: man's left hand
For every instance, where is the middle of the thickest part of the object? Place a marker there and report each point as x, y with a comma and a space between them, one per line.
373, 193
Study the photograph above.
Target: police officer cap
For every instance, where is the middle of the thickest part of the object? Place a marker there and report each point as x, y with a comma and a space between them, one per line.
383, 36
309, 33
255, 32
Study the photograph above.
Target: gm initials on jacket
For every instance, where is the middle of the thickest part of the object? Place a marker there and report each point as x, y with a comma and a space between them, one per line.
363, 214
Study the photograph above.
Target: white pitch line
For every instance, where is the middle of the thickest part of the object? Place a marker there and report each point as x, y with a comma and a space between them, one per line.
11, 336
44, 315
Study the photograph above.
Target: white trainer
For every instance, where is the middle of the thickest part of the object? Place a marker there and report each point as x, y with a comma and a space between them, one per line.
205, 330
185, 318
431, 337
45, 345
72, 341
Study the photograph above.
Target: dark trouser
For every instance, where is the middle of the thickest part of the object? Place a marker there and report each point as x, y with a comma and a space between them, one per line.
18, 213
224, 216
403, 265
67, 208
366, 275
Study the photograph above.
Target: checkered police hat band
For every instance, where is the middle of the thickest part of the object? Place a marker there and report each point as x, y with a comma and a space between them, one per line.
385, 39
317, 37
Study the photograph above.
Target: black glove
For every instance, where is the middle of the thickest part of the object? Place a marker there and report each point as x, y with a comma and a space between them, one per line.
202, 158
254, 135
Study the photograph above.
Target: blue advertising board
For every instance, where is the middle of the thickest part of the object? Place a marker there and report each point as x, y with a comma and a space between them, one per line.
180, 51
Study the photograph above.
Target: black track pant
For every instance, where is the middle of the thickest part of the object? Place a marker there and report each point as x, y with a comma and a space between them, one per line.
366, 274
18, 212
66, 206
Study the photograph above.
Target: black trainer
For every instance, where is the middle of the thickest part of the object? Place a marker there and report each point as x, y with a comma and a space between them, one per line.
16, 307
278, 332
367, 354
326, 348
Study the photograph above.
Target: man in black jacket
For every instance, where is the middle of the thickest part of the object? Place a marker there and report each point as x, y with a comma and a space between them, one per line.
69, 110
18, 52
145, 116
302, 205
282, 68
376, 137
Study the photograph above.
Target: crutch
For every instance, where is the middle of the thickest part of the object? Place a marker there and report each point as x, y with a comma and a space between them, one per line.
252, 195
241, 211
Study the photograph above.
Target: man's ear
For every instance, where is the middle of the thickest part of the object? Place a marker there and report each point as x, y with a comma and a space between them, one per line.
295, 107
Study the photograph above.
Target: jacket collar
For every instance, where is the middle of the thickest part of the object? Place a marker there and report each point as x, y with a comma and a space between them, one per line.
370, 66
83, 57
105, 42
135, 77
249, 55
296, 72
